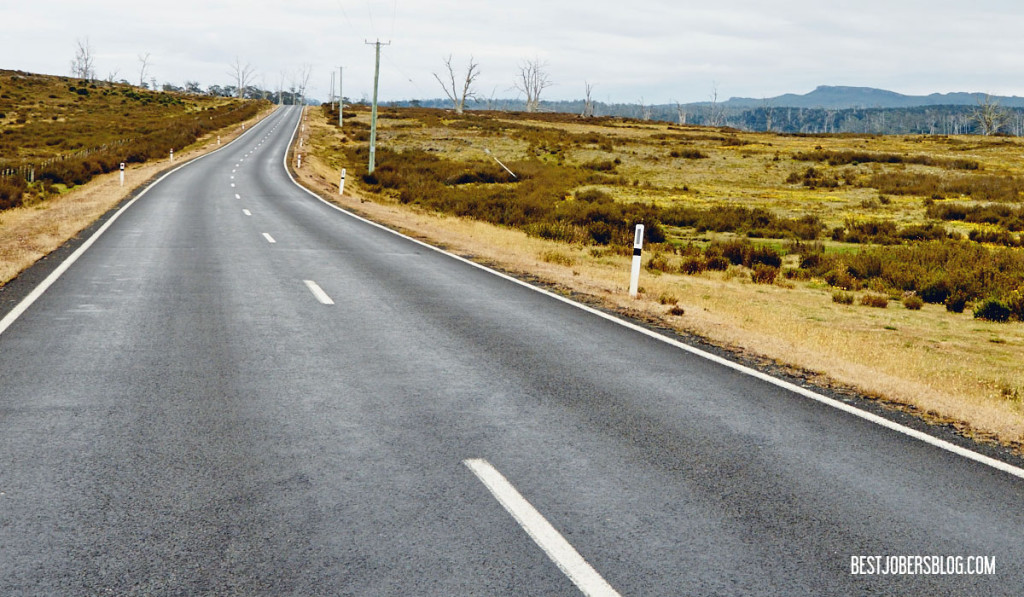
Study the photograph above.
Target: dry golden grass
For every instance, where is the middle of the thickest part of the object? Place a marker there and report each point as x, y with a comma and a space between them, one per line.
30, 232
951, 369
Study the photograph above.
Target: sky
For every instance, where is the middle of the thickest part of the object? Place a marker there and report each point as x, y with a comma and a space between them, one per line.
657, 51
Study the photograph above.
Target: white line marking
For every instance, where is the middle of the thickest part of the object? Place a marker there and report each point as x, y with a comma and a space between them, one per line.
55, 275
237, 196
232, 184
270, 239
247, 212
561, 552
318, 292
882, 421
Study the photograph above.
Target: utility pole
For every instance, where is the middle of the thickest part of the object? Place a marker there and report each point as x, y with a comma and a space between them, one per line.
332, 88
341, 96
373, 111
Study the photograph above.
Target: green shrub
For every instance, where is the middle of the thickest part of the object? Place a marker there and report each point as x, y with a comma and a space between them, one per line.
1015, 301
843, 298
913, 302
875, 300
957, 302
688, 153
694, 265
717, 263
764, 274
12, 191
992, 309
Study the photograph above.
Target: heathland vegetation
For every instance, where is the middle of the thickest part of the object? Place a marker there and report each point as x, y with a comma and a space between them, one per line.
934, 217
796, 247
58, 132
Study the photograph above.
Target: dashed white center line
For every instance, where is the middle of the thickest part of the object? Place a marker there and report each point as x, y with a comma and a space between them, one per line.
232, 184
318, 292
270, 239
561, 552
247, 212
237, 196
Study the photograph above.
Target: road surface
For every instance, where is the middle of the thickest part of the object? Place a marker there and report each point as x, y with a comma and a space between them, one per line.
239, 390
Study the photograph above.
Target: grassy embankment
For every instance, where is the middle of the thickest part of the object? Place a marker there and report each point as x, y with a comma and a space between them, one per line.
74, 135
856, 221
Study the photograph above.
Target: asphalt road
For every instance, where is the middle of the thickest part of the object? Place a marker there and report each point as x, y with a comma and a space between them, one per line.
184, 412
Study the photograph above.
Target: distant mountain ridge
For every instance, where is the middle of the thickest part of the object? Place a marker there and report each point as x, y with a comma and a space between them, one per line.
841, 98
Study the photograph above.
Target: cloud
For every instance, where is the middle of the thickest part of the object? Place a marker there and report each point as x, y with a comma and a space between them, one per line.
657, 49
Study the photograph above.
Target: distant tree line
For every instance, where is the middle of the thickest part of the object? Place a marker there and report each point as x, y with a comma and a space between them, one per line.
924, 120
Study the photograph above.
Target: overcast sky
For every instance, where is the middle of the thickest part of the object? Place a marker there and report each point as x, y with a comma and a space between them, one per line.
658, 50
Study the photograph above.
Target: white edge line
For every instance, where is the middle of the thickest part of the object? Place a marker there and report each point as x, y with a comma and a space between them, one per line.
270, 239
318, 292
43, 286
882, 421
561, 552
247, 212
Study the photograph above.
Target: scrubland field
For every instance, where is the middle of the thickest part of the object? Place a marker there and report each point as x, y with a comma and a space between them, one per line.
892, 265
61, 144
58, 132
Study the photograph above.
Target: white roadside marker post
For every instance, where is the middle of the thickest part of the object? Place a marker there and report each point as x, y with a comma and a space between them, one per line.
172, 155
218, 139
300, 161
341, 187
122, 174
638, 245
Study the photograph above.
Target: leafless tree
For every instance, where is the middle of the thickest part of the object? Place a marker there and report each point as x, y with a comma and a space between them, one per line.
143, 65
84, 64
989, 115
716, 114
645, 110
830, 119
451, 88
533, 79
681, 113
588, 103
302, 81
242, 75
111, 76
769, 113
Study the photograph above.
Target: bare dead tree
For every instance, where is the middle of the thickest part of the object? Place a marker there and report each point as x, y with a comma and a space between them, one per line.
84, 64
681, 113
645, 110
451, 88
302, 80
716, 114
769, 113
989, 115
242, 75
533, 79
143, 65
588, 103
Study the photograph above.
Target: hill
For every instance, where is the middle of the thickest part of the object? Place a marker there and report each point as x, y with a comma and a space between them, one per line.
57, 132
843, 98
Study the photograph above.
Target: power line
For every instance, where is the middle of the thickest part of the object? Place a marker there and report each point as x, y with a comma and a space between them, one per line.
369, 11
394, 17
345, 14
